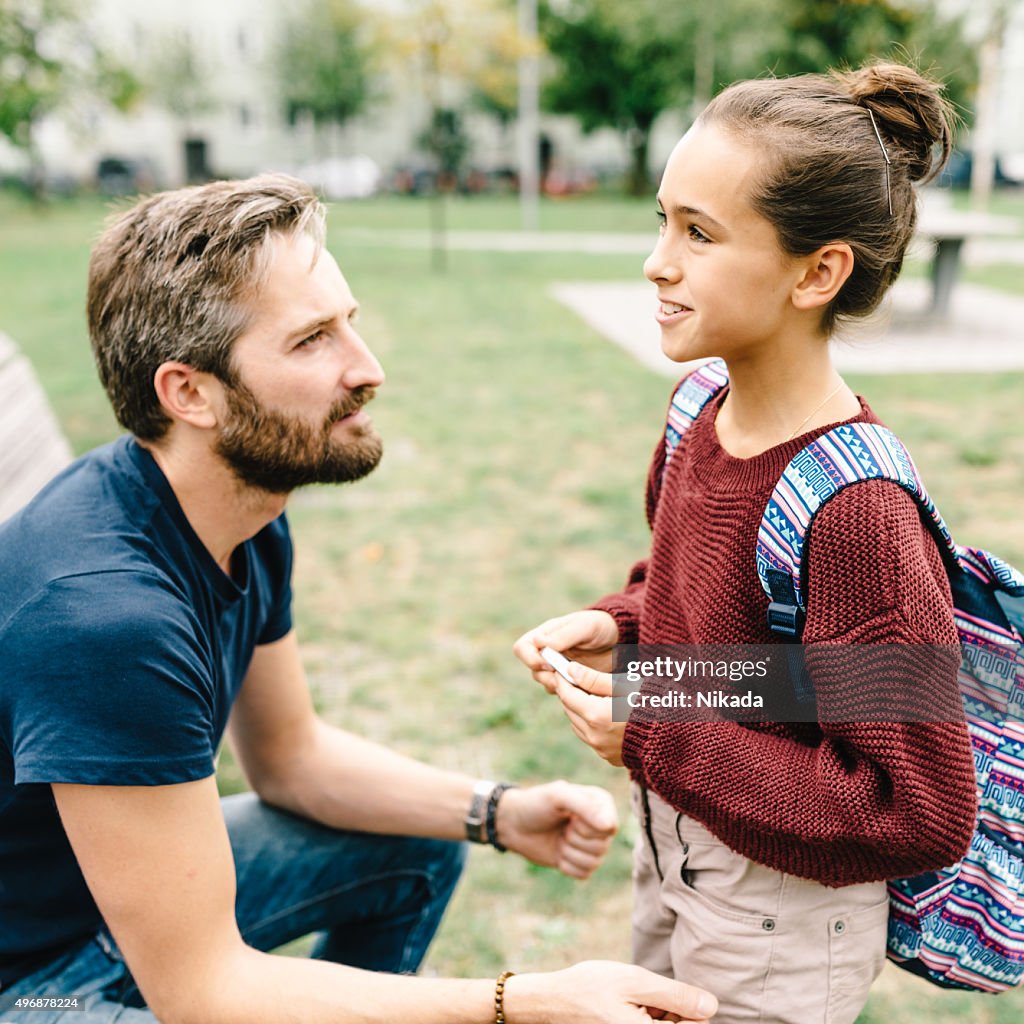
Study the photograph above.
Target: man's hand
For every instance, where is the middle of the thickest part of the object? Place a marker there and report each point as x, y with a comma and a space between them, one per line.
588, 707
559, 825
587, 637
604, 992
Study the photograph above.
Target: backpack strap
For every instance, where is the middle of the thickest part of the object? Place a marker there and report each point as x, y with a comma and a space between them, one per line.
693, 393
844, 455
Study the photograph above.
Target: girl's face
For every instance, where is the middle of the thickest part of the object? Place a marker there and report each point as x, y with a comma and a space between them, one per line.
724, 283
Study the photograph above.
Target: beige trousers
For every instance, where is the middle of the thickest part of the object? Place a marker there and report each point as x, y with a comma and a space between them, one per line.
774, 949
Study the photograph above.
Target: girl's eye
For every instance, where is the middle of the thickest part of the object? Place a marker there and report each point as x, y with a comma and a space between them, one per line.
662, 219
696, 234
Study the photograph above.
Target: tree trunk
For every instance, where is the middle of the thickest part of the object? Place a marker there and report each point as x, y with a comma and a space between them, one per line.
638, 183
983, 138
36, 170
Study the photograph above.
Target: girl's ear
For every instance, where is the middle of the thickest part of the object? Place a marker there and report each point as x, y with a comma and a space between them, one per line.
186, 394
825, 271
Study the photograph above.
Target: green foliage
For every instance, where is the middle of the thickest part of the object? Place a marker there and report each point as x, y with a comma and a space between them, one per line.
445, 140
620, 65
325, 61
30, 83
822, 34
828, 33
178, 79
48, 59
616, 67
493, 71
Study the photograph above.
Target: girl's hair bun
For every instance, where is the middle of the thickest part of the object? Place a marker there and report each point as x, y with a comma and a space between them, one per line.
822, 176
911, 113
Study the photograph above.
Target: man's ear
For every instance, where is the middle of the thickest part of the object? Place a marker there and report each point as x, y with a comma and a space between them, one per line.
187, 395
825, 271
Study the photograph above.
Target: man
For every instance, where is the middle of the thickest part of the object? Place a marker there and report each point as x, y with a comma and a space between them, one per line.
145, 609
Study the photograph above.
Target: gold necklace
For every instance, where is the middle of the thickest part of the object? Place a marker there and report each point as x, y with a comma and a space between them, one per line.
821, 405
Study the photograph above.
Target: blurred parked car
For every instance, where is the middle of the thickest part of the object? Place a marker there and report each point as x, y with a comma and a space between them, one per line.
342, 177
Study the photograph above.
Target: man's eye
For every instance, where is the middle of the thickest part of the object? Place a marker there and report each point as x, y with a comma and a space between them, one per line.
311, 340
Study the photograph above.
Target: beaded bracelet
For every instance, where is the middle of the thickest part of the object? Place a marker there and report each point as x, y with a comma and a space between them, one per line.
499, 996
491, 824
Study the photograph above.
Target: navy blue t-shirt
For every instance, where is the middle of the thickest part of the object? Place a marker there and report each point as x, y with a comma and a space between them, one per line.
122, 647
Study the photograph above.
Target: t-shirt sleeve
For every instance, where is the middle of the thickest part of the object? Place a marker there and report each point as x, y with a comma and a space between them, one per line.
113, 686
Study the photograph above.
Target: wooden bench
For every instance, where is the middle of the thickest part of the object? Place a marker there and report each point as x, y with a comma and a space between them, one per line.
32, 447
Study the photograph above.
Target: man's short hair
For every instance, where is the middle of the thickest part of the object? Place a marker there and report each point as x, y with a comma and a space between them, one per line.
170, 279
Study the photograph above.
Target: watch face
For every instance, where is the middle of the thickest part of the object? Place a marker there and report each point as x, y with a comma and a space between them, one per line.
476, 816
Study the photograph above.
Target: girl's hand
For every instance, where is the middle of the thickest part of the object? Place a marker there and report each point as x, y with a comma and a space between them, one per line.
587, 637
588, 707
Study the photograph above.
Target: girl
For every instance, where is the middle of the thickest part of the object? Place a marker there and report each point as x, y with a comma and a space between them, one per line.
785, 211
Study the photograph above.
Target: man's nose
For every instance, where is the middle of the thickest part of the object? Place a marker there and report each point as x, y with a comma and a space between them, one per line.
362, 368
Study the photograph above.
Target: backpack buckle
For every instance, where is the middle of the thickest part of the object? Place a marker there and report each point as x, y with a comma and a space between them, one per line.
786, 619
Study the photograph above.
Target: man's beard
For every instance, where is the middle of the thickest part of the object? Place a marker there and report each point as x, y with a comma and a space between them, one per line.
277, 453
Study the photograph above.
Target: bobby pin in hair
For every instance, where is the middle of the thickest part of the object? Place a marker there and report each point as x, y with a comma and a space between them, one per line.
888, 184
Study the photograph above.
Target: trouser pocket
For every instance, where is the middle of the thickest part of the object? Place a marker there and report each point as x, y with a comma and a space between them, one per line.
856, 953
774, 948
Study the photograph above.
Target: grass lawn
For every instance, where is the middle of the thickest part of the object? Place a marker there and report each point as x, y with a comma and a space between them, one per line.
516, 448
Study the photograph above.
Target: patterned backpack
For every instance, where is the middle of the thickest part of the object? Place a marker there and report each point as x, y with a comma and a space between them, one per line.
961, 927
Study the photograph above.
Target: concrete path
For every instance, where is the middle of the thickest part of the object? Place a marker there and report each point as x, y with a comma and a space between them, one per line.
984, 332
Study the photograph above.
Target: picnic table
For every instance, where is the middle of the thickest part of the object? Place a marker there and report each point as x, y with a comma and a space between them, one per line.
948, 230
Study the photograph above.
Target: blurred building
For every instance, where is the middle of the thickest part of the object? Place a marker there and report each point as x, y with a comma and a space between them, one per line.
212, 108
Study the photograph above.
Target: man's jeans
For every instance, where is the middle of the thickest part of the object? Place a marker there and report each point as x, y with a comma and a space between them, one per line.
375, 900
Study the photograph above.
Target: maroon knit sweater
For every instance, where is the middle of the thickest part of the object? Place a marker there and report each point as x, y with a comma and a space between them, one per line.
840, 803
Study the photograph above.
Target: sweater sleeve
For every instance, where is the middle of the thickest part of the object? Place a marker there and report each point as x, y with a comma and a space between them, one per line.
854, 800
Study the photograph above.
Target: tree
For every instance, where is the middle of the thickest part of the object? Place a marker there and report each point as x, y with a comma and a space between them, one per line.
622, 64
822, 34
445, 139
326, 60
491, 62
461, 49
618, 66
178, 77
48, 62
449, 48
